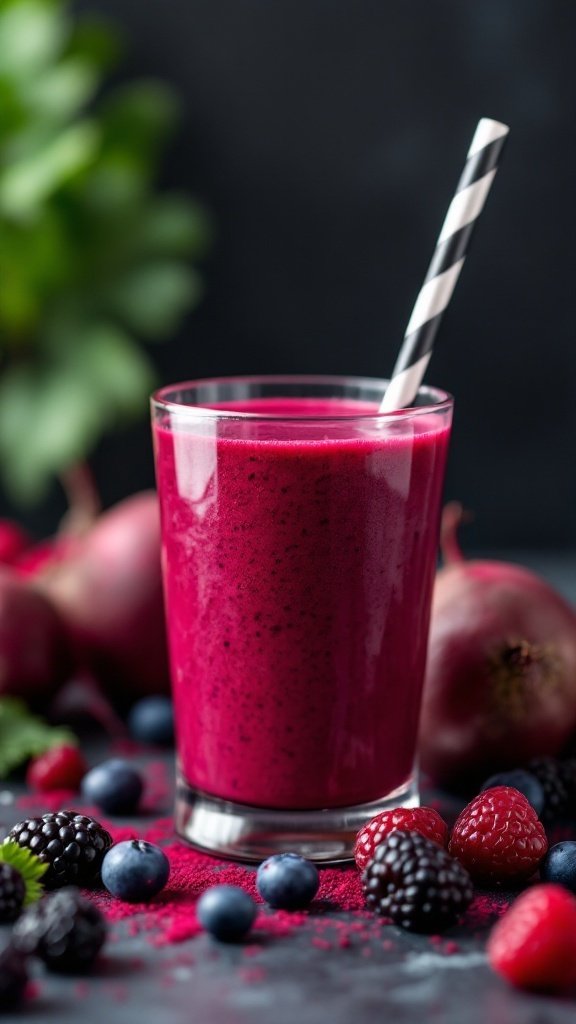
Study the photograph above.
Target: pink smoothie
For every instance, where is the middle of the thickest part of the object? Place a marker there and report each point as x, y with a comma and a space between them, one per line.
298, 574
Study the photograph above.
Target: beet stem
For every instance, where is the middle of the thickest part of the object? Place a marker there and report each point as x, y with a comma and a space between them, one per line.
84, 504
453, 515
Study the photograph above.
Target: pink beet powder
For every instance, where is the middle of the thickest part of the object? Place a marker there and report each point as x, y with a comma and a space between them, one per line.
171, 916
298, 575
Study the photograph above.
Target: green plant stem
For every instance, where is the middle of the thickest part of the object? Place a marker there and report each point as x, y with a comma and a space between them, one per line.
84, 504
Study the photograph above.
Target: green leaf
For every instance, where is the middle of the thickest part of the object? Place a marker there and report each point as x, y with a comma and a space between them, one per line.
152, 298
23, 735
174, 225
35, 261
14, 113
28, 182
30, 868
113, 187
50, 417
137, 118
95, 41
32, 34
60, 92
116, 371
52, 413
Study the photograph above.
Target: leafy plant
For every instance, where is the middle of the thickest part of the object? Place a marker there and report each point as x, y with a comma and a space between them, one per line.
91, 257
23, 735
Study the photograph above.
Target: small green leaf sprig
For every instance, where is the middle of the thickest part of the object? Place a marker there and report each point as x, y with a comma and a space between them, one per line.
23, 735
30, 867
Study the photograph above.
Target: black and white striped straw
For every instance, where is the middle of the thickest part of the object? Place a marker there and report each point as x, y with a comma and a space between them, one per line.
447, 262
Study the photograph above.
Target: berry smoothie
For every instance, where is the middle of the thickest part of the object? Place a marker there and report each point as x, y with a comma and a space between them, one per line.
298, 563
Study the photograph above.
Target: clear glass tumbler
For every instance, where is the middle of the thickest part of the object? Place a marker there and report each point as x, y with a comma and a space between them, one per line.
300, 530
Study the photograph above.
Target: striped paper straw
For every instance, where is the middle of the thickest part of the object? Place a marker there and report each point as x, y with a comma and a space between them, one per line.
447, 262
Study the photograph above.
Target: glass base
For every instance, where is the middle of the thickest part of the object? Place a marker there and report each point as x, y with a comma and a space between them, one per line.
241, 832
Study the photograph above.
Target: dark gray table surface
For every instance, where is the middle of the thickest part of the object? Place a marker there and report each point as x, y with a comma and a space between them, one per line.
291, 980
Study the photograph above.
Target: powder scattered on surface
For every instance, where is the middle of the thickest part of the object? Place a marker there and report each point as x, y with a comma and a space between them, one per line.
485, 909
54, 800
33, 990
342, 888
451, 948
253, 950
337, 919
119, 993
171, 916
251, 975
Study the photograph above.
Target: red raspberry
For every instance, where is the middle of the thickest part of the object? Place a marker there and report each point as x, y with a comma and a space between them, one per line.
534, 945
59, 768
424, 820
498, 837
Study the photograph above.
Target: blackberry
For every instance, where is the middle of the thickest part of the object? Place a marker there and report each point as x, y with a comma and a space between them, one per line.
567, 770
65, 930
13, 978
12, 893
548, 771
73, 845
416, 883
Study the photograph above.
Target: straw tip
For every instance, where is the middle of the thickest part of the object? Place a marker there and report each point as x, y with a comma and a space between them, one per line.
495, 126
487, 131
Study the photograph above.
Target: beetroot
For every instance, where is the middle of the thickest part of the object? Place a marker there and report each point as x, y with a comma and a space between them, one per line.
34, 652
39, 557
108, 588
14, 541
501, 677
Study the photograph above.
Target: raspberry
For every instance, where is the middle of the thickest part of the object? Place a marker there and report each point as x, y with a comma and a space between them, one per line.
499, 838
534, 945
416, 883
64, 930
73, 845
424, 820
59, 768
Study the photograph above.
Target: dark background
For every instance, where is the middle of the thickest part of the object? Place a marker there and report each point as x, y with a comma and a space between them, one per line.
326, 137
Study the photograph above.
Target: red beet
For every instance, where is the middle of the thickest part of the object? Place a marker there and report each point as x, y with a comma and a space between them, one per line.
39, 557
13, 541
501, 676
108, 588
34, 652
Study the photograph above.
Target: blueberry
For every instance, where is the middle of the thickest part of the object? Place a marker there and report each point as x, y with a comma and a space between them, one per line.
226, 911
522, 780
151, 720
559, 865
287, 881
135, 871
114, 786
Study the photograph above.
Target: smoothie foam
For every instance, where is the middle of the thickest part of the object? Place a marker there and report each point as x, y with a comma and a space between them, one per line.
298, 567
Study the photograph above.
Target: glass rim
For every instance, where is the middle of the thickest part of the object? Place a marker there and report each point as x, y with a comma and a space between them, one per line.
439, 400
